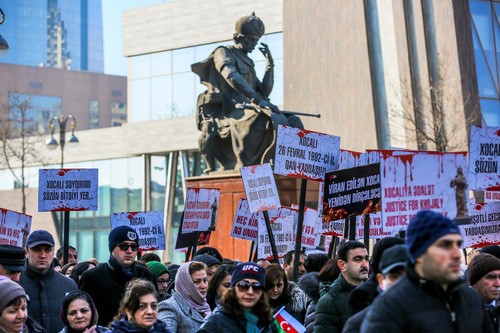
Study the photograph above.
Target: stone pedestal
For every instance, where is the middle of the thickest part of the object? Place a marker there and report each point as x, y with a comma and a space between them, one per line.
231, 190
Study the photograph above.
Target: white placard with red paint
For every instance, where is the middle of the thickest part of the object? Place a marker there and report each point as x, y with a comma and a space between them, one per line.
200, 209
311, 228
491, 196
148, 225
351, 159
376, 230
484, 158
246, 223
484, 228
67, 190
260, 187
14, 228
417, 181
305, 154
283, 232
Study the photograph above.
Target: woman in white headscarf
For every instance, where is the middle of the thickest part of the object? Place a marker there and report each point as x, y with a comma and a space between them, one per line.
186, 310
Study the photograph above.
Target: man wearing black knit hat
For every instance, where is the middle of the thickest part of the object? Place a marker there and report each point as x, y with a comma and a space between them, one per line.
431, 297
106, 283
483, 273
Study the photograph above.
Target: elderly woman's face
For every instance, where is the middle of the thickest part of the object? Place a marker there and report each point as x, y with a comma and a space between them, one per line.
200, 281
13, 317
146, 314
79, 314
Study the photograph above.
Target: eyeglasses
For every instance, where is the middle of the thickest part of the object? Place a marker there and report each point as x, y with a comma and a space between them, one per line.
125, 246
160, 281
244, 286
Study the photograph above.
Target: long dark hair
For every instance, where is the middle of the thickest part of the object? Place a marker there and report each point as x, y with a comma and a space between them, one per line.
262, 309
220, 274
274, 273
79, 269
70, 297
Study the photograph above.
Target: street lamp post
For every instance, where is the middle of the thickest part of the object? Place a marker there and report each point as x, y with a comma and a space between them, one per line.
52, 144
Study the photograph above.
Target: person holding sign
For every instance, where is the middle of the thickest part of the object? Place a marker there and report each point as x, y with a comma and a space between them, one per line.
106, 283
430, 297
186, 309
245, 306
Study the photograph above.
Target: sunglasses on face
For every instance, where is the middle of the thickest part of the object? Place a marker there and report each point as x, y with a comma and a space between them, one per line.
125, 246
244, 286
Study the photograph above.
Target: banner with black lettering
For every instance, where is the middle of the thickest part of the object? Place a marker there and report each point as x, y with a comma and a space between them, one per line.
260, 187
246, 223
14, 227
200, 209
148, 225
305, 154
67, 190
483, 227
414, 181
484, 158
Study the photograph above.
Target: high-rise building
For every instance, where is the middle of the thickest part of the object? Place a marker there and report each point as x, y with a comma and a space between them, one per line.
54, 33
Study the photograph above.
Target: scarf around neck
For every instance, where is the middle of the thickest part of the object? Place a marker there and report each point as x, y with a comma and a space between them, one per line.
252, 322
185, 287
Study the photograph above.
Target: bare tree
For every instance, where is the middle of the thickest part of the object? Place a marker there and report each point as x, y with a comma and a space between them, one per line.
18, 136
434, 116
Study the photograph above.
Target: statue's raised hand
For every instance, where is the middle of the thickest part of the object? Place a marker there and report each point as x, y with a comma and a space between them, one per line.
267, 54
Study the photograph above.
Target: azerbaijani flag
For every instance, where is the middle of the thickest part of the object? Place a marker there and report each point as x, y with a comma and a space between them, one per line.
286, 323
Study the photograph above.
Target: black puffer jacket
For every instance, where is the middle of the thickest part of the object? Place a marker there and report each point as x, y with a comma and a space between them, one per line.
220, 321
418, 305
332, 308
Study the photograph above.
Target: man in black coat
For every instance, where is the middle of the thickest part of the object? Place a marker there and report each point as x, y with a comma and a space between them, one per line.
106, 283
431, 297
332, 308
45, 287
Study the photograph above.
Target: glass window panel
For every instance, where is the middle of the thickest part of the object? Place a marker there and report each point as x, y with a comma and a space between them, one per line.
275, 43
139, 67
184, 96
277, 95
182, 60
161, 63
158, 181
491, 112
202, 52
94, 114
118, 113
484, 79
85, 245
101, 248
161, 97
141, 101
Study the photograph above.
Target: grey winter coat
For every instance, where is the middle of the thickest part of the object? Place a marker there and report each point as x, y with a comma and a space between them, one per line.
178, 315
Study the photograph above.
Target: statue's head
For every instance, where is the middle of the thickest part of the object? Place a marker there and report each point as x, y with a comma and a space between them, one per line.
249, 29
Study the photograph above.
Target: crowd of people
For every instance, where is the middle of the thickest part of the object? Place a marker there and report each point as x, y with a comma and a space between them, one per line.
417, 284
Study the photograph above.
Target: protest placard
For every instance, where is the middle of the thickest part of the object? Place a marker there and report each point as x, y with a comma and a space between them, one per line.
484, 158
305, 154
376, 230
311, 230
483, 227
14, 227
246, 223
67, 190
417, 181
353, 191
491, 196
260, 187
200, 209
283, 231
148, 225
351, 159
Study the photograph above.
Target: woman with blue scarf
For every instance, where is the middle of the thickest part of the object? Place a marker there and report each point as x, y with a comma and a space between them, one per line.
244, 307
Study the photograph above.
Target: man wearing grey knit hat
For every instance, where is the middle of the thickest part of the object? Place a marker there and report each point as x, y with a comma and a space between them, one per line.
431, 297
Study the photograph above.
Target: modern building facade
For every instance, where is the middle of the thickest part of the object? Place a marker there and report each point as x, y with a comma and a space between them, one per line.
366, 66
54, 33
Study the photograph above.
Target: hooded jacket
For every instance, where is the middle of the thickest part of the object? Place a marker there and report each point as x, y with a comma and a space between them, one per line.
309, 284
220, 321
